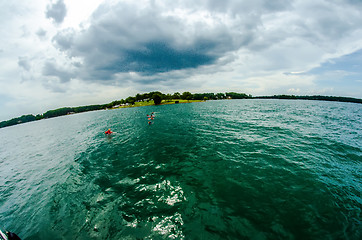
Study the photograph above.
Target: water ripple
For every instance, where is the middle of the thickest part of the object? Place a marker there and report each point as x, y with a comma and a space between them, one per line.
260, 169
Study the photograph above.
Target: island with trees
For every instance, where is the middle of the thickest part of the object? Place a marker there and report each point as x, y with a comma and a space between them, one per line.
158, 98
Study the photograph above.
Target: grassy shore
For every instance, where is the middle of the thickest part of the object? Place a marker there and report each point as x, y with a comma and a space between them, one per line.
164, 102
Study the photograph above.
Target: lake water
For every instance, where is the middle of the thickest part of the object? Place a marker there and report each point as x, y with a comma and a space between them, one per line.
237, 169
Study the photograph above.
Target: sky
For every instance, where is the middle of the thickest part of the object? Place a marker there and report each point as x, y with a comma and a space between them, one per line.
57, 53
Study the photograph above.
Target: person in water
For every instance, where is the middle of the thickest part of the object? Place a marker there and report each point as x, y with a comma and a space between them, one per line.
108, 132
151, 117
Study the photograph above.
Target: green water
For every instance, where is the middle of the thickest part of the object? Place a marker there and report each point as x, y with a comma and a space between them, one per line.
238, 169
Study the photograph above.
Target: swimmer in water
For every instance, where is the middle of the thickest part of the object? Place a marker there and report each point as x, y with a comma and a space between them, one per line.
108, 132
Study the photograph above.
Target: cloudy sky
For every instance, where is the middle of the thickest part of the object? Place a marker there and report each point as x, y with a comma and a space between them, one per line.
72, 52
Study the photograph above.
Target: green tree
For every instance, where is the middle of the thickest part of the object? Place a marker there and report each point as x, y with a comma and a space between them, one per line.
39, 116
146, 96
176, 95
130, 100
157, 99
220, 95
235, 95
202, 96
168, 97
139, 97
186, 96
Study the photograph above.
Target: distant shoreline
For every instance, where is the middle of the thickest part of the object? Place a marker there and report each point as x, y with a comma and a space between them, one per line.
149, 99
313, 98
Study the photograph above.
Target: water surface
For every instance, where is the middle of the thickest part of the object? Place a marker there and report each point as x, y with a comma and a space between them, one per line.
238, 169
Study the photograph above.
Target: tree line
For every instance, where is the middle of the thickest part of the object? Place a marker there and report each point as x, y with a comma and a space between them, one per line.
157, 98
315, 97
49, 114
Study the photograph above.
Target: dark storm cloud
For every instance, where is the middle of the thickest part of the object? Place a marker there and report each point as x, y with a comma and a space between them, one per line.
157, 57
127, 38
56, 11
150, 38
